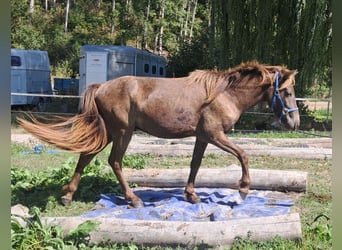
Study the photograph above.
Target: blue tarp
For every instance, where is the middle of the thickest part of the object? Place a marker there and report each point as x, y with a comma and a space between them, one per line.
38, 149
217, 204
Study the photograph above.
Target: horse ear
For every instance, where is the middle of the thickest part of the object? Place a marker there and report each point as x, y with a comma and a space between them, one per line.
287, 77
293, 72
286, 74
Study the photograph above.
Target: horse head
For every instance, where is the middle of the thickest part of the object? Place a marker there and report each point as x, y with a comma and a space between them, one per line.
282, 98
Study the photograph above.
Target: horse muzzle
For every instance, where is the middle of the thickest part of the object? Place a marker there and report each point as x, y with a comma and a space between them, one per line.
290, 120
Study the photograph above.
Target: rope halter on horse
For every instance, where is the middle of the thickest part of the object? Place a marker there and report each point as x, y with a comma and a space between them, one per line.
277, 96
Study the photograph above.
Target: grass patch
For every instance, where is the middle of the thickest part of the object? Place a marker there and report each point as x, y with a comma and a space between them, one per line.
281, 134
322, 114
37, 179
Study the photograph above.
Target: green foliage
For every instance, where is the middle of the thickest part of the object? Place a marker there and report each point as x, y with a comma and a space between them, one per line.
320, 232
43, 188
79, 236
37, 235
321, 114
276, 243
295, 33
136, 161
18, 148
278, 134
195, 34
189, 56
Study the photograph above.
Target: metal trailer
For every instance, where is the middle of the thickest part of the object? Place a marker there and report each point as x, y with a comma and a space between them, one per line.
100, 63
30, 74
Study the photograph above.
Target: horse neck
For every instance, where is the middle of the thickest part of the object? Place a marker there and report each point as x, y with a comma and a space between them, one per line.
248, 96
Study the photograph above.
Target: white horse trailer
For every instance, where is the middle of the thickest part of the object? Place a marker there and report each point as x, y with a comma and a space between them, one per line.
30, 74
100, 63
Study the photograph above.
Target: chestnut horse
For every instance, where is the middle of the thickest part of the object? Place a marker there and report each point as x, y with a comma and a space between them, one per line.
205, 104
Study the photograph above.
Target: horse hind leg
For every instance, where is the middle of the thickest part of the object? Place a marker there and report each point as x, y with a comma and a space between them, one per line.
70, 189
189, 193
120, 144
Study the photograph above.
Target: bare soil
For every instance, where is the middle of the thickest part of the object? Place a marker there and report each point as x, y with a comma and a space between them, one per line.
318, 105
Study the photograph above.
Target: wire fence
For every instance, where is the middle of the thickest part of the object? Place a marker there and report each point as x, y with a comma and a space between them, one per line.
63, 106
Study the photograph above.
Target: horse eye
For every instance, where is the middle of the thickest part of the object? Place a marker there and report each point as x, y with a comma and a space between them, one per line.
287, 94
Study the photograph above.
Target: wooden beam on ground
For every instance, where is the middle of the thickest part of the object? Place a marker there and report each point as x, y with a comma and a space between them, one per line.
274, 180
189, 234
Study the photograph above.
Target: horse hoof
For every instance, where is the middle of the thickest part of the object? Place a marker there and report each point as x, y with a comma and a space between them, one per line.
65, 201
243, 194
136, 204
193, 198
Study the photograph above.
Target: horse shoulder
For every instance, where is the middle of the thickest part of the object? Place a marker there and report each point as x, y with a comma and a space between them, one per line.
222, 112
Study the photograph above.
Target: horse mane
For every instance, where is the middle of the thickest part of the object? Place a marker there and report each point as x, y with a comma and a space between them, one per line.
267, 73
216, 82
246, 69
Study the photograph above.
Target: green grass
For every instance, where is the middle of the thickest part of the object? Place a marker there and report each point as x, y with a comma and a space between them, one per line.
322, 114
281, 134
36, 181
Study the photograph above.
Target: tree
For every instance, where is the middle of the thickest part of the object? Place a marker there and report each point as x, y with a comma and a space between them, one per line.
296, 33
67, 7
158, 46
192, 33
112, 26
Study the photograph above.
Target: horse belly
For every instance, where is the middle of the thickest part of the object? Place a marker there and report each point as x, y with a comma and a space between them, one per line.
168, 124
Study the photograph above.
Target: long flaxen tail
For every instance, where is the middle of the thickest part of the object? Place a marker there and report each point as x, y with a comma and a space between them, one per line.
83, 133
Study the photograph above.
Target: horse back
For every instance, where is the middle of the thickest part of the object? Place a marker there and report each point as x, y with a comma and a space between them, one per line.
165, 107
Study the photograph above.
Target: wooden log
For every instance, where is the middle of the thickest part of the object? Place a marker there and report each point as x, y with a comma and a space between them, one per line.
274, 180
189, 234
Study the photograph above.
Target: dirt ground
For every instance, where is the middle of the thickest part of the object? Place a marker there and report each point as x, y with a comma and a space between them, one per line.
310, 148
318, 105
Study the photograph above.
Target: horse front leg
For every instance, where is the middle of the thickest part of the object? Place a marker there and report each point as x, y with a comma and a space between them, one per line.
224, 143
119, 147
71, 188
189, 193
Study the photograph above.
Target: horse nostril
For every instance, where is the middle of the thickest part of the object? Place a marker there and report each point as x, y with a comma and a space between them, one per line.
296, 125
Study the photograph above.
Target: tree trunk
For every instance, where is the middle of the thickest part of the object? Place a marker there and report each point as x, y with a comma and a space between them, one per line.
31, 6
161, 29
194, 7
66, 16
155, 43
210, 234
187, 20
124, 36
112, 26
145, 35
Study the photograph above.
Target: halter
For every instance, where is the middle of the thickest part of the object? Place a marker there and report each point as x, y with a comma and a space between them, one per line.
276, 96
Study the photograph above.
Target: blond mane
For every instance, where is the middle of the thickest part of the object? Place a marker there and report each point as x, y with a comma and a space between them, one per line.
217, 81
214, 82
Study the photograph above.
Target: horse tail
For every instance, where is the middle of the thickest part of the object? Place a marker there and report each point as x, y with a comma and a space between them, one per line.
83, 133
